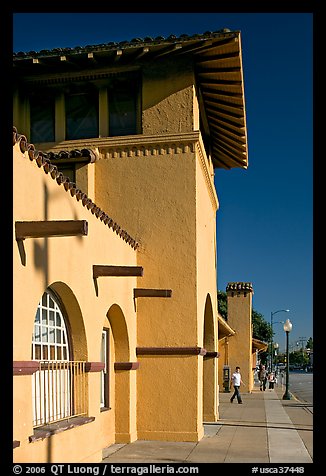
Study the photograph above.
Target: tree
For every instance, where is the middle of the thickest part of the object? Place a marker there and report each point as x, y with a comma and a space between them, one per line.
310, 344
222, 302
262, 329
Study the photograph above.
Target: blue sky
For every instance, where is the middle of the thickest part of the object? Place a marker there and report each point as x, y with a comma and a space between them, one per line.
265, 220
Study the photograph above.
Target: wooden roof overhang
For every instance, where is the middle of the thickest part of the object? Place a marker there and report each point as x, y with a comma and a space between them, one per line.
259, 345
224, 330
217, 59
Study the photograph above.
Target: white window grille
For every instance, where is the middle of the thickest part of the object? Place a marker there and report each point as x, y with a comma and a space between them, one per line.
59, 386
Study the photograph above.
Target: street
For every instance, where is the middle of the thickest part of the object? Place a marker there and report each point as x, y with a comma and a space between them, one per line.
300, 385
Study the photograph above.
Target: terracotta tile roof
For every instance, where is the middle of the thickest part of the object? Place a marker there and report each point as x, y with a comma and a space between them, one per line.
113, 45
43, 160
217, 60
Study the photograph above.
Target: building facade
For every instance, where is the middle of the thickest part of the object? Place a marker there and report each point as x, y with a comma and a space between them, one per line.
115, 298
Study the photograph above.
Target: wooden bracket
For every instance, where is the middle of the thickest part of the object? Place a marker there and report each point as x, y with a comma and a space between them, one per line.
103, 270
211, 355
170, 351
139, 292
126, 365
47, 228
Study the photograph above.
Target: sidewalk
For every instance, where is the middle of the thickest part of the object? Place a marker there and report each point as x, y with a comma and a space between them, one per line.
265, 429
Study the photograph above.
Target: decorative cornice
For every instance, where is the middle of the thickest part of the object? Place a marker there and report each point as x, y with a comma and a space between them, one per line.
150, 145
209, 175
138, 145
239, 286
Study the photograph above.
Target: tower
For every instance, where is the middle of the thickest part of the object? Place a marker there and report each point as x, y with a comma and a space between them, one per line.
239, 301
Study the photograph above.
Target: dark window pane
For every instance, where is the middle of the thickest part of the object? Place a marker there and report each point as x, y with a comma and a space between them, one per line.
37, 355
52, 352
81, 114
42, 117
45, 353
122, 98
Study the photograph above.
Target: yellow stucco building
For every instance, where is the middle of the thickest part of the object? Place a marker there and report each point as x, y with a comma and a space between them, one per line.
115, 318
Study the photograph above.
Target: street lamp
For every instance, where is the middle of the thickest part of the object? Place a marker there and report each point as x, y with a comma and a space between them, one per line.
275, 347
272, 314
287, 328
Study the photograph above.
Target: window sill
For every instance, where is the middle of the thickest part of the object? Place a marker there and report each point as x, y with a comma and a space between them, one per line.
105, 409
48, 430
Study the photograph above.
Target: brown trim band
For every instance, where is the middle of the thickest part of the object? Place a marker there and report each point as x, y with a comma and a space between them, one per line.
126, 365
211, 355
29, 367
170, 351
58, 427
25, 367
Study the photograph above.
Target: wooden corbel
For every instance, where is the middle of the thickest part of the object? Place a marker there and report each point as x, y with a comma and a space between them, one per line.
142, 292
50, 228
124, 271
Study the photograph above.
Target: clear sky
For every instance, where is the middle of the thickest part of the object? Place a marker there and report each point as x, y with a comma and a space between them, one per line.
265, 219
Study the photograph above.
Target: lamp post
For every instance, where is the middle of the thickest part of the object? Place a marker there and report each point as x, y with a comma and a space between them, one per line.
275, 347
272, 315
287, 328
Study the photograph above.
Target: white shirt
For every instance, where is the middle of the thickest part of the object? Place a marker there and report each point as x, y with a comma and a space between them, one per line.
236, 379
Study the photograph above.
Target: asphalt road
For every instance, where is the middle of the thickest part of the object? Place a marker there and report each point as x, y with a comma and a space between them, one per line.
301, 386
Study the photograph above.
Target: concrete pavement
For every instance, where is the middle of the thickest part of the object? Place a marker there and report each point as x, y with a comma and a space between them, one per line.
264, 429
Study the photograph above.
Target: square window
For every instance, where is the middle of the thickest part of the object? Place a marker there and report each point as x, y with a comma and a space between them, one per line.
122, 106
42, 107
82, 114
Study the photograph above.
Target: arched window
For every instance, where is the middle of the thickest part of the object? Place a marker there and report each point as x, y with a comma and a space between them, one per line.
58, 388
50, 337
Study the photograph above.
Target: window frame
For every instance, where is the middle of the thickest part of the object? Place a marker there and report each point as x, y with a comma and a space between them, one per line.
38, 323
60, 87
105, 373
59, 385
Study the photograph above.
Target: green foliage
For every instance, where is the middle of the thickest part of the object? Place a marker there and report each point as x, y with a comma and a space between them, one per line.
261, 329
299, 358
222, 304
310, 344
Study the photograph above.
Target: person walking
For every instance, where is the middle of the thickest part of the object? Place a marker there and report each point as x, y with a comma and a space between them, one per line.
236, 382
262, 377
271, 381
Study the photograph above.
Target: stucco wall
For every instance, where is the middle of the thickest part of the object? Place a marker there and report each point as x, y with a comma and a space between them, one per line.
66, 263
206, 207
159, 187
167, 98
